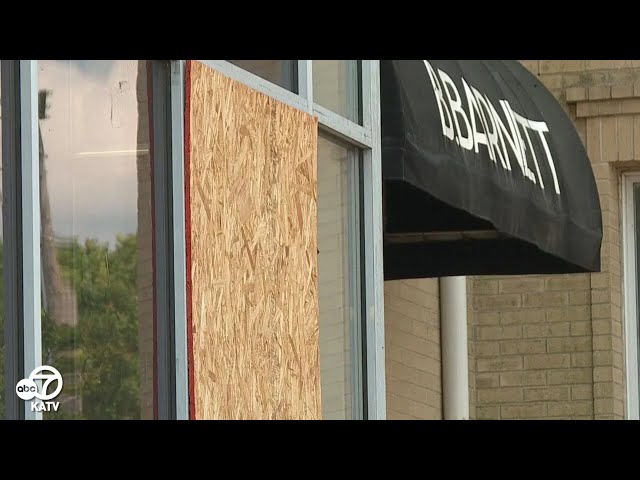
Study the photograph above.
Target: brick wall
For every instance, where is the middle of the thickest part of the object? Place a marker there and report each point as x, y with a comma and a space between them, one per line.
552, 346
412, 344
532, 346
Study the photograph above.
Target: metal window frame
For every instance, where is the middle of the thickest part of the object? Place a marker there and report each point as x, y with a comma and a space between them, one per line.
367, 138
179, 254
630, 273
31, 269
160, 72
20, 148
12, 237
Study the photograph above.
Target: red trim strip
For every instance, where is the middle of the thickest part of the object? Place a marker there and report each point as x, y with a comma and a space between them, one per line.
187, 206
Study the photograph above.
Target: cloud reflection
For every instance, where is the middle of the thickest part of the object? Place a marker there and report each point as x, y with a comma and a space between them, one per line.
92, 108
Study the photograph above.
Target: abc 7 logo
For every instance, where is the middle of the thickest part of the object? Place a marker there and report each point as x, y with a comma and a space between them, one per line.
27, 388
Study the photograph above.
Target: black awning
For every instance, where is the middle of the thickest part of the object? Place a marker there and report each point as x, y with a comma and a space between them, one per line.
484, 173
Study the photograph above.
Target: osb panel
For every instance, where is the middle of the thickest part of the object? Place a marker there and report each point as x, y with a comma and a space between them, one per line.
252, 190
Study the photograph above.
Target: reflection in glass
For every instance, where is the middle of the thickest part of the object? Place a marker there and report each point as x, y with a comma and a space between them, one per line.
96, 246
336, 86
280, 72
337, 288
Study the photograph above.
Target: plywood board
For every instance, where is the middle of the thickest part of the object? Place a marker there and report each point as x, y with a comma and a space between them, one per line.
251, 186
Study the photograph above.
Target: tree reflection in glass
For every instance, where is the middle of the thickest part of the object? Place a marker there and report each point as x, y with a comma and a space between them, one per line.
96, 246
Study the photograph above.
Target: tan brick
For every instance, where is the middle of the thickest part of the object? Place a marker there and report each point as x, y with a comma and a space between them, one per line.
616, 329
601, 171
600, 296
523, 378
581, 392
496, 302
579, 329
583, 359
602, 342
609, 139
550, 66
631, 105
600, 280
601, 327
602, 390
498, 333
622, 91
521, 285
545, 299
575, 94
487, 349
488, 318
525, 411
568, 282
580, 297
570, 408
569, 344
625, 137
618, 408
500, 395
547, 361
569, 376
487, 380
593, 136
607, 64
610, 107
546, 394
483, 286
578, 312
599, 93
545, 330
522, 346
513, 318
603, 358
616, 344
603, 374
603, 406
488, 412
501, 364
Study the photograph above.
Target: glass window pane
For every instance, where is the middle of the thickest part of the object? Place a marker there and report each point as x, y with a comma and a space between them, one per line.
636, 201
280, 72
96, 245
336, 86
338, 289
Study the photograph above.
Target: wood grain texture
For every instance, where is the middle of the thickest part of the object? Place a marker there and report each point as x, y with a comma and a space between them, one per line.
252, 189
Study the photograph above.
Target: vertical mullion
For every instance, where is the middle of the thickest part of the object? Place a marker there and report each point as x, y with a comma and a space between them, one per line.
305, 82
356, 293
373, 246
12, 237
30, 165
178, 227
161, 165
354, 91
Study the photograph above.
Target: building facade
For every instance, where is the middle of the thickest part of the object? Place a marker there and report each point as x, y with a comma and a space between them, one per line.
110, 211
543, 346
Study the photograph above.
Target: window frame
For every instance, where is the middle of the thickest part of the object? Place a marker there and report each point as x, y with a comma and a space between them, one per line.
20, 148
631, 307
25, 335
367, 138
